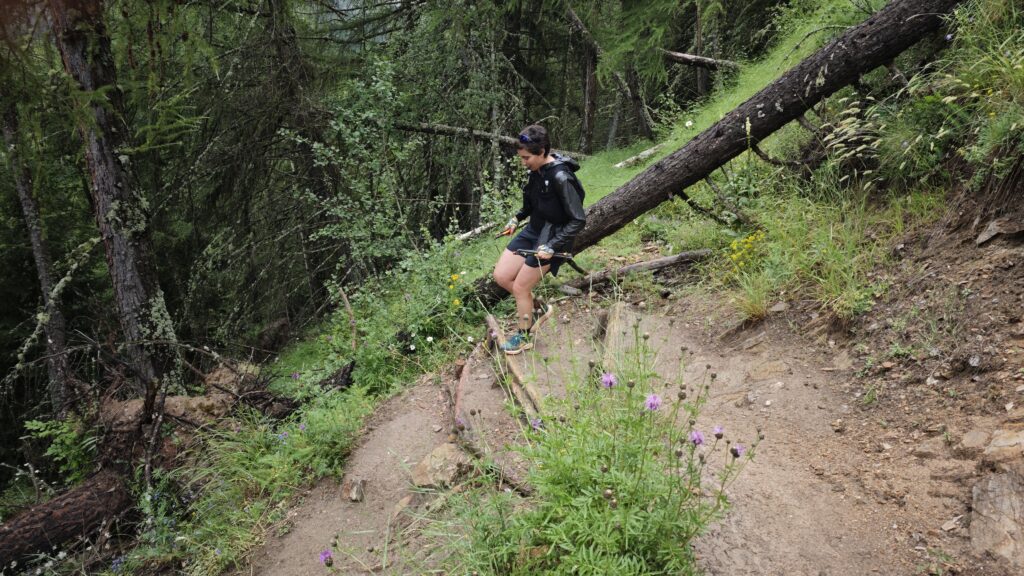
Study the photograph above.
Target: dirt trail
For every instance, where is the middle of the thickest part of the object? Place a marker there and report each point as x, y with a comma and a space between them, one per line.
828, 493
401, 433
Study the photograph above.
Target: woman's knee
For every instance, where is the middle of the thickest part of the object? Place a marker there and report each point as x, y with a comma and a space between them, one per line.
523, 284
504, 279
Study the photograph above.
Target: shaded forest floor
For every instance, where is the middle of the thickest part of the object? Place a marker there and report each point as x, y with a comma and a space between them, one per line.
876, 431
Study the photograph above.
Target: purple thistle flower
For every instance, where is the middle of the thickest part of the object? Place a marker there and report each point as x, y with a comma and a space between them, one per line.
697, 437
653, 402
718, 432
609, 380
302, 427
282, 436
296, 375
537, 424
326, 558
738, 450
117, 564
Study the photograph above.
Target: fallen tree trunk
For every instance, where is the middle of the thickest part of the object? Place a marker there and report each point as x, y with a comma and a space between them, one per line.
71, 515
698, 61
841, 62
590, 281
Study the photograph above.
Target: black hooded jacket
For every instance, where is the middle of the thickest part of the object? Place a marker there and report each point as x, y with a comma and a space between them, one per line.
553, 199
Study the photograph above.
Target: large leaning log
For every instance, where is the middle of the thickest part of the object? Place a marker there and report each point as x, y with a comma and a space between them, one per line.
841, 62
73, 514
858, 50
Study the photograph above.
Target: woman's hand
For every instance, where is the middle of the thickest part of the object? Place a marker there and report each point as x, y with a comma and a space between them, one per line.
510, 227
544, 252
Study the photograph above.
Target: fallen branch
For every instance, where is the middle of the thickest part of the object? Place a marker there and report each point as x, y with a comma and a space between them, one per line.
588, 283
445, 130
805, 163
729, 204
698, 61
475, 231
702, 210
634, 160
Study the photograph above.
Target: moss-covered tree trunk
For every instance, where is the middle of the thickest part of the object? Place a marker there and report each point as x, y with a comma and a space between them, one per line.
53, 320
121, 211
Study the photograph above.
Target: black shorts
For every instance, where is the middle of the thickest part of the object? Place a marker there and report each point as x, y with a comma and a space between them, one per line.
527, 240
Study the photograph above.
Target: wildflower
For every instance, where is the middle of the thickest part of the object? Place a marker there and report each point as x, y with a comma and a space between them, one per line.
718, 432
949, 37
62, 555
326, 558
296, 375
455, 277
536, 424
216, 552
456, 302
117, 564
282, 436
697, 437
430, 339
412, 347
608, 380
451, 286
653, 402
469, 339
738, 450
302, 427
689, 123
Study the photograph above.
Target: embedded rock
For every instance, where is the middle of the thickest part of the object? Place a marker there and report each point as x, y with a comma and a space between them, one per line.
1005, 448
442, 467
973, 443
997, 520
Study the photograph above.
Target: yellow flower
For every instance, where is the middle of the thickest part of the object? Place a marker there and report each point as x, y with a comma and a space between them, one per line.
457, 302
455, 277
451, 286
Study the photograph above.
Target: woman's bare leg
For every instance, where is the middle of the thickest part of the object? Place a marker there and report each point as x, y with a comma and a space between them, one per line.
507, 268
522, 289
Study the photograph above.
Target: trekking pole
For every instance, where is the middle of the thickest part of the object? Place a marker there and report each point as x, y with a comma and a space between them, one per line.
564, 255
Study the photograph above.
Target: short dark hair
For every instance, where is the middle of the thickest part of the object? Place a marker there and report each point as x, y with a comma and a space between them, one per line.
534, 139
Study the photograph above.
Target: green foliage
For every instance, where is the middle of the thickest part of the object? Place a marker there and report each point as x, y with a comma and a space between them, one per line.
623, 483
211, 514
72, 445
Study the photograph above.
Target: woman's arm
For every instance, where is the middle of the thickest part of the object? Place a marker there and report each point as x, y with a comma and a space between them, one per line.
573, 206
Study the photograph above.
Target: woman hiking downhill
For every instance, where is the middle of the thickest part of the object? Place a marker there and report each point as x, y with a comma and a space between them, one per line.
553, 201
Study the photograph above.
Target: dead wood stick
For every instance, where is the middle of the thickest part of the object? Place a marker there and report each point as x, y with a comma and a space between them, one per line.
698, 61
650, 265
